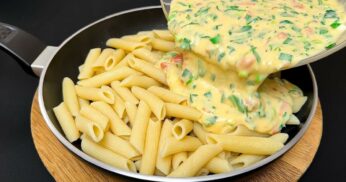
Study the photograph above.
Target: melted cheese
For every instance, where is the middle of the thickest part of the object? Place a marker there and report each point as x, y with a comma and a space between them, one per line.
228, 49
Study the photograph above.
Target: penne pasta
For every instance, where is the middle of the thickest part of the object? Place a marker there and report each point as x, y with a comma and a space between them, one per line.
107, 156
182, 128
95, 116
293, 120
107, 77
167, 95
66, 122
151, 147
95, 94
196, 161
200, 132
137, 38
131, 110
173, 146
162, 45
242, 130
127, 45
245, 160
218, 165
148, 69
145, 54
163, 34
164, 163
280, 137
83, 102
156, 104
202, 172
124, 93
178, 159
87, 71
184, 112
100, 61
140, 81
119, 105
69, 96
112, 61
90, 128
117, 126
119, 146
246, 145
139, 129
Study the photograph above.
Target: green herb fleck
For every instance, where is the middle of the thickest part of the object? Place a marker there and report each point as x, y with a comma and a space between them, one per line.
216, 39
237, 102
185, 44
211, 120
220, 56
323, 31
245, 28
248, 18
296, 29
230, 49
231, 86
330, 14
335, 25
217, 27
286, 22
287, 41
202, 11
207, 94
233, 8
331, 45
255, 53
192, 97
285, 57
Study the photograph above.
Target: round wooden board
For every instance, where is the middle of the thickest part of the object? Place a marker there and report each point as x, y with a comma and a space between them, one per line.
63, 165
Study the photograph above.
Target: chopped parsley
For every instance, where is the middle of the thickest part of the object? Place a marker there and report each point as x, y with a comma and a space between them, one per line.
330, 14
233, 8
208, 94
202, 11
192, 97
220, 56
335, 25
287, 41
216, 39
285, 57
286, 22
255, 53
185, 44
245, 28
237, 102
211, 120
331, 45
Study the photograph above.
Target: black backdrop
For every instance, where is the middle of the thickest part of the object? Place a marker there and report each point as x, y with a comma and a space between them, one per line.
53, 21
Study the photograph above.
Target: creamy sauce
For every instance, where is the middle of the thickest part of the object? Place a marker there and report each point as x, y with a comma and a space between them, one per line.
217, 94
228, 49
256, 36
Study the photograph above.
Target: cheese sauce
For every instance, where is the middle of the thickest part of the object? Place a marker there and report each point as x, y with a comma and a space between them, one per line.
228, 49
256, 35
227, 100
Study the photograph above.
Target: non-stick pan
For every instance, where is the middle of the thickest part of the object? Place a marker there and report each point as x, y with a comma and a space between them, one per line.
52, 64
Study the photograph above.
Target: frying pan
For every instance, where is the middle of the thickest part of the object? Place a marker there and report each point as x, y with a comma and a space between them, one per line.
52, 64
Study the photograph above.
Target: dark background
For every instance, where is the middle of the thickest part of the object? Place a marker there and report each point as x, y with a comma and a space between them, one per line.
53, 21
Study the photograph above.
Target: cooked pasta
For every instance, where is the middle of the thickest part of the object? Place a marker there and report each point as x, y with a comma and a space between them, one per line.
134, 111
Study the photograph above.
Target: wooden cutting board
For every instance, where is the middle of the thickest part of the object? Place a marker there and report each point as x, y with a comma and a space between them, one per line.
63, 165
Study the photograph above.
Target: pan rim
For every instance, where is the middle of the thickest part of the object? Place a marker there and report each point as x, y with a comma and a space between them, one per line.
105, 166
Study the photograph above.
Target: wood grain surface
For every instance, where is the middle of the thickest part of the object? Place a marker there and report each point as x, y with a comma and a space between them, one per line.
63, 165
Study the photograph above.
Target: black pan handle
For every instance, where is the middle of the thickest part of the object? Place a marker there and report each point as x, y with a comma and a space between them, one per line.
24, 47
